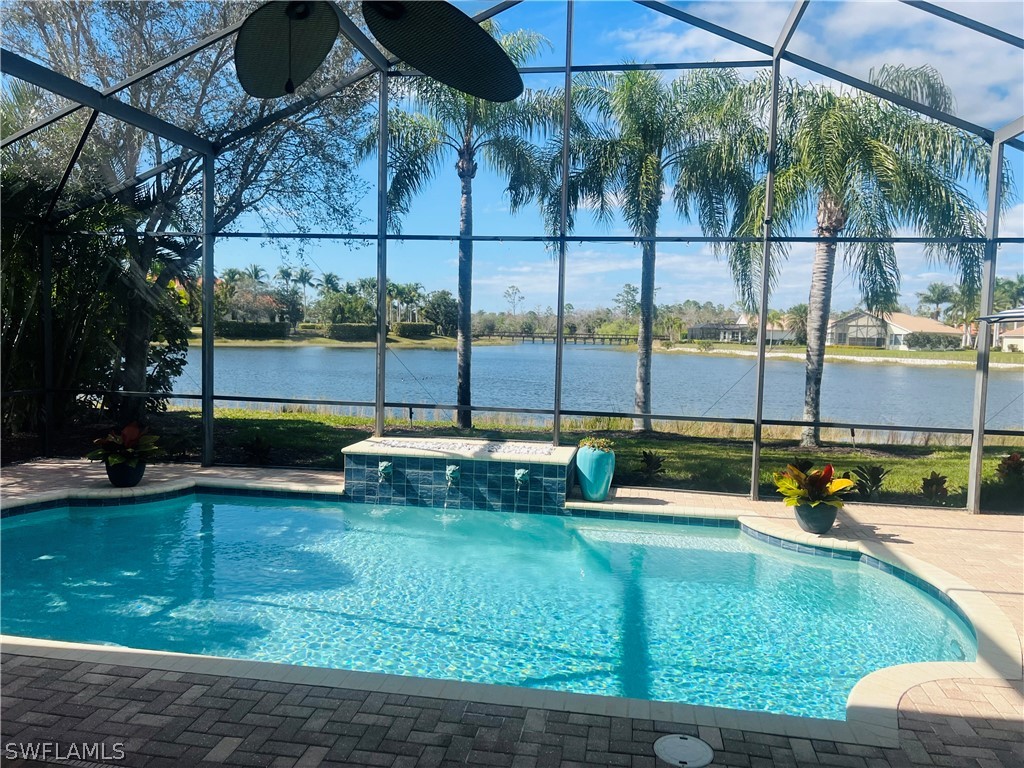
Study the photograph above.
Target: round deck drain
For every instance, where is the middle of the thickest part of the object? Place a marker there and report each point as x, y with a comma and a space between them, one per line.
688, 751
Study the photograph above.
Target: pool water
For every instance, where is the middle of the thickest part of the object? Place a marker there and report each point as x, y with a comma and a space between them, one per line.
662, 612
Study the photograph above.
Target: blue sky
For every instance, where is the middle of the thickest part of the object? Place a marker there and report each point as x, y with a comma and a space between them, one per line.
984, 75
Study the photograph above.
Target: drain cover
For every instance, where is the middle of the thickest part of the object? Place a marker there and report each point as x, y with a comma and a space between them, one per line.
686, 751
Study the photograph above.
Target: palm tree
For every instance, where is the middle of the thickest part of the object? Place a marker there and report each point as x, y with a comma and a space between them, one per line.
963, 312
330, 283
652, 134
304, 278
449, 121
232, 276
935, 295
866, 167
1009, 293
795, 320
285, 274
256, 273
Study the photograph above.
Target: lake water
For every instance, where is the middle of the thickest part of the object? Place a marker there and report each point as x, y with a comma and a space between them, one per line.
601, 379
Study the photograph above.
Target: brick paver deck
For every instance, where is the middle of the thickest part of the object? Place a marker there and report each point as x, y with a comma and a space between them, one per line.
166, 718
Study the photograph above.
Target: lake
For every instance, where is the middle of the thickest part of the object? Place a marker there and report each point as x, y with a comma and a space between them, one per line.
601, 379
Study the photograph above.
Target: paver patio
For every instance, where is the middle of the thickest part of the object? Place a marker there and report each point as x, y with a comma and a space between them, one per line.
171, 718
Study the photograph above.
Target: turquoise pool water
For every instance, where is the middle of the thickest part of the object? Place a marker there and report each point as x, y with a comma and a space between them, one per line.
662, 612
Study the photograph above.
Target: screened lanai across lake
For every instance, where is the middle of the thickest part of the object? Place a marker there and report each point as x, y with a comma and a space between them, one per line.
268, 280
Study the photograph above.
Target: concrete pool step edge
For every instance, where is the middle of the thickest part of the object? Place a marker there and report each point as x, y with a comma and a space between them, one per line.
871, 734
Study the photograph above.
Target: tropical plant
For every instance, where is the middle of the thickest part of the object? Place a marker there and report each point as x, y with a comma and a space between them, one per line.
443, 120
795, 321
1011, 469
257, 450
935, 296
130, 445
597, 443
256, 273
651, 464
865, 168
253, 176
652, 134
869, 480
933, 487
812, 488
329, 283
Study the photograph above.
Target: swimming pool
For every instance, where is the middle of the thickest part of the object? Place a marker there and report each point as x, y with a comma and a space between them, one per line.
701, 615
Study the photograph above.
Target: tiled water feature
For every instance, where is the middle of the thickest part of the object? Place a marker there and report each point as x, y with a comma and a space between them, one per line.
459, 474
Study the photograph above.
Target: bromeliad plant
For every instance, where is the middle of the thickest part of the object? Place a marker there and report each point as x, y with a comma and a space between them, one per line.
129, 446
597, 443
812, 488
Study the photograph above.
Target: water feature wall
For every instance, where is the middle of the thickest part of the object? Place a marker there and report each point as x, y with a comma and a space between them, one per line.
463, 474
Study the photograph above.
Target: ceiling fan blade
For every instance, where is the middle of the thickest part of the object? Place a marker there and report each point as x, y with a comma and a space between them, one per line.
441, 41
281, 44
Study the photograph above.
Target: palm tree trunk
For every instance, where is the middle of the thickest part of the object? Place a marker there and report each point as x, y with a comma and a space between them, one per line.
464, 341
644, 340
831, 220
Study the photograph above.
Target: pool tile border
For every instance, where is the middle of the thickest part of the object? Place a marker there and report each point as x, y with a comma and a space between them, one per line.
872, 707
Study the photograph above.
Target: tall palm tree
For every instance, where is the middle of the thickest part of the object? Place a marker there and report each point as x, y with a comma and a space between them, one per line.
865, 167
963, 311
1009, 292
285, 274
441, 122
256, 273
936, 295
304, 278
330, 283
652, 134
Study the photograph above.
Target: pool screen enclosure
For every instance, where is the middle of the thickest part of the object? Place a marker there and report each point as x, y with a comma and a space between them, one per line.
379, 64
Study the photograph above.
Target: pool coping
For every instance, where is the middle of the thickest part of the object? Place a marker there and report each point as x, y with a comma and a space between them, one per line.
872, 706
384, 446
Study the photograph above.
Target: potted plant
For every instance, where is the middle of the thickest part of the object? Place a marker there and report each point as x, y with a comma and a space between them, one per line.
814, 494
595, 465
125, 454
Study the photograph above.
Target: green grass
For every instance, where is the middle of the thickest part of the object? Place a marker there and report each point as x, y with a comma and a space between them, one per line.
702, 463
310, 339
967, 355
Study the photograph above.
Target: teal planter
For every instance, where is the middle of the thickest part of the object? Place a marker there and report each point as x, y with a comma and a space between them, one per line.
594, 469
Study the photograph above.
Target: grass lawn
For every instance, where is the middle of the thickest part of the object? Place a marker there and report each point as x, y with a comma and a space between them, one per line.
963, 355
714, 464
310, 338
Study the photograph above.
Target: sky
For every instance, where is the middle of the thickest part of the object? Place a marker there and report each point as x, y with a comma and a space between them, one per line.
984, 74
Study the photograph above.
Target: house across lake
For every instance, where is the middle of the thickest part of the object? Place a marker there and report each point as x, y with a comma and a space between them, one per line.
861, 329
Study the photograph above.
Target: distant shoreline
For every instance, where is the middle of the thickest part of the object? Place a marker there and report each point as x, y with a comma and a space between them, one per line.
448, 344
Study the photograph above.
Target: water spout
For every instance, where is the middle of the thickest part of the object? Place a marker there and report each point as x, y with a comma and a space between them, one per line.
522, 478
451, 473
384, 470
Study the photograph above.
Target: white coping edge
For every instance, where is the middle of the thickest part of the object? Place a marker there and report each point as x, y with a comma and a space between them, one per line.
561, 456
872, 708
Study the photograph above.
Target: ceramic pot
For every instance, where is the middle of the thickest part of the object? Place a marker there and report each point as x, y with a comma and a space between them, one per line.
819, 519
594, 469
125, 476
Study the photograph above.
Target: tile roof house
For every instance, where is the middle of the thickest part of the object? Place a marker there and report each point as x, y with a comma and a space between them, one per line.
860, 329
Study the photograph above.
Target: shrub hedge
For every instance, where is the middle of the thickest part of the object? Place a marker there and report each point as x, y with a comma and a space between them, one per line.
921, 340
234, 329
352, 332
311, 326
414, 330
